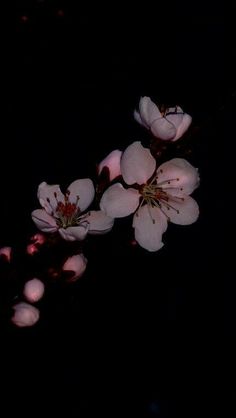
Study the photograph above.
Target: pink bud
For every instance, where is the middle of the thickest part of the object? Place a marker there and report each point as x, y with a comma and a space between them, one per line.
6, 253
112, 162
31, 249
77, 264
38, 239
33, 290
25, 315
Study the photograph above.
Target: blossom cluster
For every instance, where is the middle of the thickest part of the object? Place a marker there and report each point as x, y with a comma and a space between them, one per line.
137, 183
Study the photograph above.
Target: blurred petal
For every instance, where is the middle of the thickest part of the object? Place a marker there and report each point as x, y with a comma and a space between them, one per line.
6, 252
33, 290
149, 223
178, 173
25, 315
99, 222
84, 189
44, 221
49, 196
112, 162
118, 202
137, 164
77, 264
74, 233
181, 211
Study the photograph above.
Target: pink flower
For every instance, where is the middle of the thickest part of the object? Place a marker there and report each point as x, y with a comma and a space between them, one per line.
77, 264
33, 290
6, 252
158, 196
112, 162
66, 214
168, 125
25, 315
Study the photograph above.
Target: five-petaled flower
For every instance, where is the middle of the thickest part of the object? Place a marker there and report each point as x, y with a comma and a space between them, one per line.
66, 214
157, 196
169, 124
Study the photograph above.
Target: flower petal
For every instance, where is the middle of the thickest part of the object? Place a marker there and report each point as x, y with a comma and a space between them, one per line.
99, 222
149, 223
163, 129
44, 221
33, 290
74, 233
84, 189
25, 315
138, 119
178, 173
148, 111
118, 202
6, 252
49, 196
186, 122
137, 164
181, 211
112, 162
77, 264
175, 116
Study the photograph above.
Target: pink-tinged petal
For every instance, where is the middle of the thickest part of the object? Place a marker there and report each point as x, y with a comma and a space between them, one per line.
175, 116
49, 196
25, 315
38, 239
84, 190
138, 119
178, 173
183, 127
44, 221
77, 264
181, 211
137, 164
148, 111
149, 224
118, 202
6, 252
112, 162
99, 222
33, 290
163, 129
32, 249
74, 233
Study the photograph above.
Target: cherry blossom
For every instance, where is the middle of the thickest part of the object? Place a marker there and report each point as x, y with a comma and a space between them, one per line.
169, 124
112, 162
25, 315
33, 290
158, 195
77, 264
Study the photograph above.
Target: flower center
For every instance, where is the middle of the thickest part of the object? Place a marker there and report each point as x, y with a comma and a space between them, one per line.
67, 213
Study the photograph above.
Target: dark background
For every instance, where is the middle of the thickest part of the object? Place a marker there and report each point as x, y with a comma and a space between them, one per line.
141, 334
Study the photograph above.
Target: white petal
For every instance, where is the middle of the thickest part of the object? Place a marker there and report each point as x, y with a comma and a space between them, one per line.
118, 202
175, 116
163, 129
25, 315
149, 223
99, 222
83, 188
183, 127
44, 221
148, 110
77, 264
49, 196
138, 119
112, 162
178, 173
74, 233
33, 290
181, 211
137, 164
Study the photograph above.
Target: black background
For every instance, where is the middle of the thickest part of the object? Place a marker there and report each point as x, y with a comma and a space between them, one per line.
140, 334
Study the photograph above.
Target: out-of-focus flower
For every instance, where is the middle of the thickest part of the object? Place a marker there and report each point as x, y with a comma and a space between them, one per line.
38, 239
6, 252
170, 124
65, 212
32, 249
77, 264
25, 315
33, 290
158, 196
112, 162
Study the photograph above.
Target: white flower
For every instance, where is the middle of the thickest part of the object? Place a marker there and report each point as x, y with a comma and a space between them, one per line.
25, 315
168, 125
77, 264
65, 212
112, 162
33, 290
158, 196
